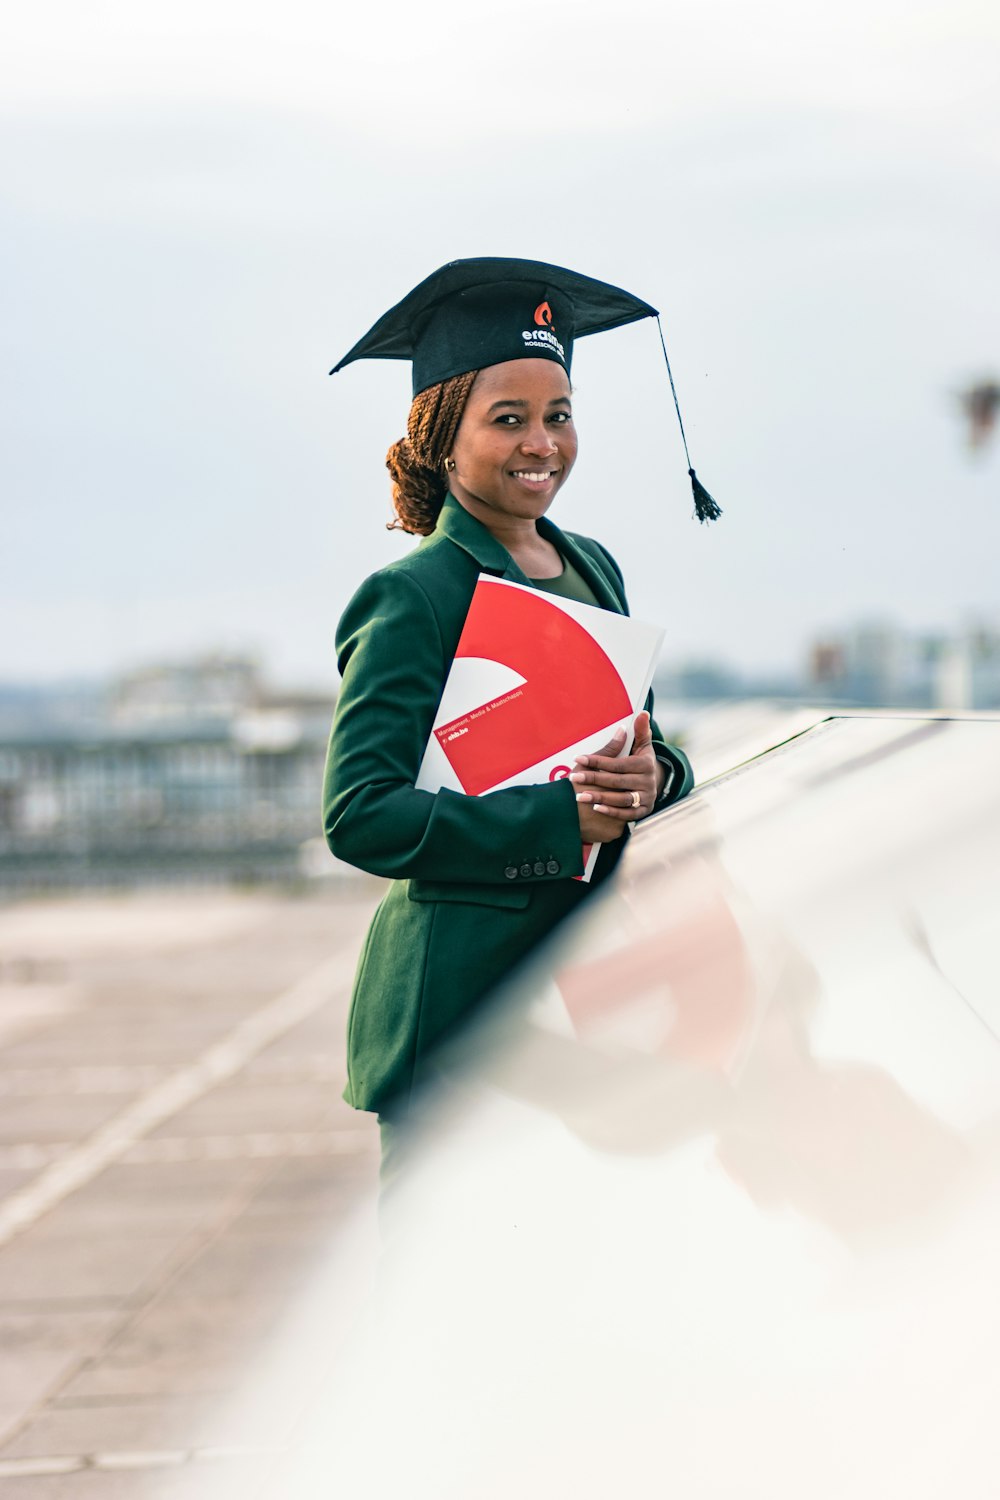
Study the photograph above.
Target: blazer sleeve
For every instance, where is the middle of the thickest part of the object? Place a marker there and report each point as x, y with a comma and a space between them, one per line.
393, 666
672, 757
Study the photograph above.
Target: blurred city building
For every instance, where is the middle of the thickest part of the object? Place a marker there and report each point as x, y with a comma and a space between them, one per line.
866, 665
193, 770
881, 665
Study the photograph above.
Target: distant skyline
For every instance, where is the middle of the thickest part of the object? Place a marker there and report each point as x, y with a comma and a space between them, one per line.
201, 207
858, 644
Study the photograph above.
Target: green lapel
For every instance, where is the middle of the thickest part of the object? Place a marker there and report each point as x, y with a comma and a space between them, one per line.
471, 535
465, 531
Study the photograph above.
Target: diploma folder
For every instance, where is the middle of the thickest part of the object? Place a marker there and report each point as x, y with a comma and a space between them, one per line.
536, 681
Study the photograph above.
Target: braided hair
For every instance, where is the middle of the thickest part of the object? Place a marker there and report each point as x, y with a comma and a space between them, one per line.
416, 462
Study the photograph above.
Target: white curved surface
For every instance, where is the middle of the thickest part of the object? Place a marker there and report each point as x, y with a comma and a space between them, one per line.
709, 1205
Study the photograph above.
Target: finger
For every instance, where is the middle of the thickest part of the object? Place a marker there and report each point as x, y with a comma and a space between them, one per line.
630, 802
617, 766
638, 780
627, 764
609, 751
643, 733
620, 814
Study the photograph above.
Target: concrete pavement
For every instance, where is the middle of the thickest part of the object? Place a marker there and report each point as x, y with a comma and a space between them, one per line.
175, 1164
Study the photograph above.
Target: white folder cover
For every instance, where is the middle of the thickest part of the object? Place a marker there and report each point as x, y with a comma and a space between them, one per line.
536, 681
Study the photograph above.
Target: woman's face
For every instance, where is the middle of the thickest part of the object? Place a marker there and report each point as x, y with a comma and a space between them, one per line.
516, 442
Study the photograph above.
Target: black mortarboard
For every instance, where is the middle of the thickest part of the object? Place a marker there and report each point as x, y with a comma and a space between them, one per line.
475, 313
485, 311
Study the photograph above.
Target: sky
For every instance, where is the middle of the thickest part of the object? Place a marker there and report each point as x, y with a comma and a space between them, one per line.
203, 206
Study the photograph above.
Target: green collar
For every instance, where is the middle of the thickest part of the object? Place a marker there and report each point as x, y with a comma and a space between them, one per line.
455, 523
465, 531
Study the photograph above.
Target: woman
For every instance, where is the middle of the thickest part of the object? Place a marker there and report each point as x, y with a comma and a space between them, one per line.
477, 881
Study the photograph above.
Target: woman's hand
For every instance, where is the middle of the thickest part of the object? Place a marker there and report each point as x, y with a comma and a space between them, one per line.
616, 789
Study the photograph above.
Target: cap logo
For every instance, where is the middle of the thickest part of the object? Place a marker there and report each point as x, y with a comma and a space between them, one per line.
542, 338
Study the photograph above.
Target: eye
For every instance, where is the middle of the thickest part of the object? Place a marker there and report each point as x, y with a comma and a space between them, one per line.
507, 419
561, 418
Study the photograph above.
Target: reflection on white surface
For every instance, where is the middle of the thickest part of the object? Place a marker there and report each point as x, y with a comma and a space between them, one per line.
709, 1204
719, 736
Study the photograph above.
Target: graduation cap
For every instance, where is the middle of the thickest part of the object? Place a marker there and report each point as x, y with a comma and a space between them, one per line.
474, 313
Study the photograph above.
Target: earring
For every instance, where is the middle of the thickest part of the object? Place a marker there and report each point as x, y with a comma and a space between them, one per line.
449, 466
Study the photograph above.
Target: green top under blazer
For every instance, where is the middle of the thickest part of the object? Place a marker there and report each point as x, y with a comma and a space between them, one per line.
454, 921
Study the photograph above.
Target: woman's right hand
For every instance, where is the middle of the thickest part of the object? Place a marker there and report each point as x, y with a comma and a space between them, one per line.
595, 827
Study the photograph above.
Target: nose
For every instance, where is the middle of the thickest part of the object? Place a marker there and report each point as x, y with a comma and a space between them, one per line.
538, 441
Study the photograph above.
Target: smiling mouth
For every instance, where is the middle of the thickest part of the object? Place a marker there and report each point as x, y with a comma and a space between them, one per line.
535, 476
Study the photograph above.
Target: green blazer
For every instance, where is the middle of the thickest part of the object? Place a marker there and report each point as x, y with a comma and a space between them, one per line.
456, 919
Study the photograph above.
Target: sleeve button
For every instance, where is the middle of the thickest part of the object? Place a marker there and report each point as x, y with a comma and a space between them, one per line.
552, 867
539, 867
511, 872
525, 869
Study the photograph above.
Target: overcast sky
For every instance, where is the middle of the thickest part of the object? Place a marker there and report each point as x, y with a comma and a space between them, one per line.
204, 205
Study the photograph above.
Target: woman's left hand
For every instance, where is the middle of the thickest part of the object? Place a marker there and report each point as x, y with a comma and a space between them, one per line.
610, 782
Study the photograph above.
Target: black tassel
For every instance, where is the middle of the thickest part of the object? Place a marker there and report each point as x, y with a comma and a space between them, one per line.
705, 507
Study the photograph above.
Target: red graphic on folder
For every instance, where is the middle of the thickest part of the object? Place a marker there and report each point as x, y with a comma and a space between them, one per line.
536, 681
571, 688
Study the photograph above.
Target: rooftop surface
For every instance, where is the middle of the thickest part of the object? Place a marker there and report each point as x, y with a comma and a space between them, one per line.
175, 1158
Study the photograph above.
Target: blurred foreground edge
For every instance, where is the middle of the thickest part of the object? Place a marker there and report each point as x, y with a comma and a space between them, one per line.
708, 1202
